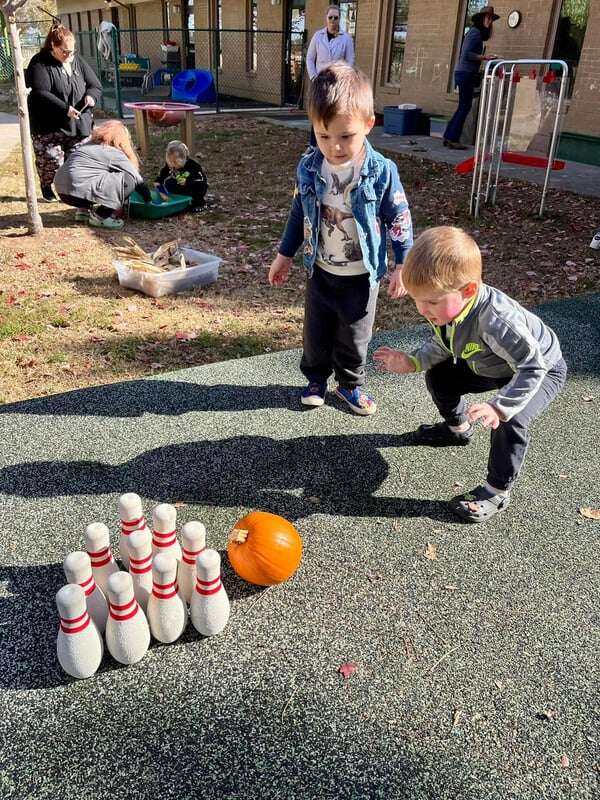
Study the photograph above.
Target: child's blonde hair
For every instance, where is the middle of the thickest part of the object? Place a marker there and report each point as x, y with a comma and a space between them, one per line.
114, 134
443, 258
339, 89
176, 149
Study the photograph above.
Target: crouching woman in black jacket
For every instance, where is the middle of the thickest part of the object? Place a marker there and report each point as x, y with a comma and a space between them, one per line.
64, 89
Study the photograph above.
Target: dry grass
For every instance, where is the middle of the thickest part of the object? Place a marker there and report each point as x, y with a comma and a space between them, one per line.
65, 322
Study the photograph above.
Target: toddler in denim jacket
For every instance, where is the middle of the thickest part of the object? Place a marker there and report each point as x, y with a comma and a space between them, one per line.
346, 196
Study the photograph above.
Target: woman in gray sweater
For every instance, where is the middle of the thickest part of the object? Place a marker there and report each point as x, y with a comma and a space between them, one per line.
99, 176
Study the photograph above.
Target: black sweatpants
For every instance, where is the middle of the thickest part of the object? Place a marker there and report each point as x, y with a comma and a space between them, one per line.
448, 382
338, 324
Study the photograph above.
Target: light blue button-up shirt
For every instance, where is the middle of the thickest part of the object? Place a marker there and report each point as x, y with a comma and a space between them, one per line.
322, 51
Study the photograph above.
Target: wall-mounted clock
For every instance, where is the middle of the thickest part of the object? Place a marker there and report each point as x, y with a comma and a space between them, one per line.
514, 19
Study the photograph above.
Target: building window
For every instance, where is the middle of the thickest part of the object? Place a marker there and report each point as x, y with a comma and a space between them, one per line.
399, 32
471, 7
251, 55
571, 25
348, 14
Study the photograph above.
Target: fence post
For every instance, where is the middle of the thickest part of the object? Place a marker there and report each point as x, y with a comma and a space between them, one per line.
117, 59
217, 52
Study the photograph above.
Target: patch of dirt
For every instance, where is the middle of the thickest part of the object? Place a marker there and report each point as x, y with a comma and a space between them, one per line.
65, 322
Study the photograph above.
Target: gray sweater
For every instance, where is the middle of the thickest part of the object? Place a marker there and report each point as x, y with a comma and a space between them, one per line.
498, 338
96, 172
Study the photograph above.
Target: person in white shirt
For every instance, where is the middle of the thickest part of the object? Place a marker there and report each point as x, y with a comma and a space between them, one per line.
329, 44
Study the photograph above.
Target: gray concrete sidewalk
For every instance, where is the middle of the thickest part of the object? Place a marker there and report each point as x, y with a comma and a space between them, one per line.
477, 670
578, 178
9, 135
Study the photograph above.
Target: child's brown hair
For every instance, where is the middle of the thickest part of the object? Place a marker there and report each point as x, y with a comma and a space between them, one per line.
339, 89
115, 134
443, 258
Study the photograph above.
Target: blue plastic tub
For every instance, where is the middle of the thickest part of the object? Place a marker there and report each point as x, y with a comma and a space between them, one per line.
400, 121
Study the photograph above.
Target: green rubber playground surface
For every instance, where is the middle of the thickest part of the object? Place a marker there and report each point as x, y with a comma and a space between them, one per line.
477, 671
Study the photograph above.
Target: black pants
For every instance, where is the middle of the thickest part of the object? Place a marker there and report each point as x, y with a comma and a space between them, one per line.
466, 82
79, 202
448, 382
338, 325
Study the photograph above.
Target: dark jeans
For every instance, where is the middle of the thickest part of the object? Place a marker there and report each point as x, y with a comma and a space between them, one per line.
448, 382
467, 83
338, 325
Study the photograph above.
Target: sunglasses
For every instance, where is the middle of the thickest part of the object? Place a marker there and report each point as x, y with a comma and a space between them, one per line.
333, 18
66, 52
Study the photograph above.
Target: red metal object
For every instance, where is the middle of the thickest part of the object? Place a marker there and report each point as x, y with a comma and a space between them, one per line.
467, 165
531, 161
549, 77
516, 78
532, 74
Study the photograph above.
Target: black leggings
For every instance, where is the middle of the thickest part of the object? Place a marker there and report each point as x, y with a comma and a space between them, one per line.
79, 202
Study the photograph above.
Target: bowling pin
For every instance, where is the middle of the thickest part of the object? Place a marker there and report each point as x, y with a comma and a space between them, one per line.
78, 569
132, 519
164, 533
140, 565
167, 612
79, 644
210, 605
127, 631
193, 537
97, 544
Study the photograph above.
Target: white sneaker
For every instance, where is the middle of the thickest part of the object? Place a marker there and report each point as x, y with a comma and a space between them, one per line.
595, 243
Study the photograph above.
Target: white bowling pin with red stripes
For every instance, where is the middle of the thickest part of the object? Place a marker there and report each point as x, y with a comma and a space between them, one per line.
140, 565
164, 531
209, 608
97, 544
132, 519
167, 612
79, 644
78, 569
193, 542
127, 631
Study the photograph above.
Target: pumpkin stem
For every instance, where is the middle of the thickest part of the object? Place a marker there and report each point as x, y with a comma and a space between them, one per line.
238, 535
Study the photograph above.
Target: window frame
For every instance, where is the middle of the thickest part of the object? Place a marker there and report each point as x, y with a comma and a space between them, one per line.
390, 42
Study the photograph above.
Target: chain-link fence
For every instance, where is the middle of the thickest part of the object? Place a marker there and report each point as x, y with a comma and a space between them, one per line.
214, 68
32, 35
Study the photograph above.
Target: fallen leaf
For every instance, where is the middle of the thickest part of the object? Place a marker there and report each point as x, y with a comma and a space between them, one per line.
564, 761
590, 513
449, 588
19, 255
156, 365
23, 266
498, 684
456, 717
179, 504
185, 336
430, 551
457, 485
313, 499
587, 398
549, 714
11, 300
563, 477
347, 669
21, 338
98, 339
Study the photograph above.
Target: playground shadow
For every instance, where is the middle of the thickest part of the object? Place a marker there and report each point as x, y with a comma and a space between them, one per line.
162, 397
335, 475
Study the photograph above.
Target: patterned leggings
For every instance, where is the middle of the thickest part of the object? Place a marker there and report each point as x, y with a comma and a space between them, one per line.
50, 150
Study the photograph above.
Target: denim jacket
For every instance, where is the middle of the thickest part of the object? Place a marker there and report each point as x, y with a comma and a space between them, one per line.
378, 197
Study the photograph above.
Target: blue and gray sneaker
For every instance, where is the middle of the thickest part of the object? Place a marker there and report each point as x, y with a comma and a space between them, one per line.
314, 394
359, 401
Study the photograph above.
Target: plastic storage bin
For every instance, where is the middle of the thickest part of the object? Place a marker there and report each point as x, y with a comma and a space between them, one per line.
172, 205
158, 284
401, 121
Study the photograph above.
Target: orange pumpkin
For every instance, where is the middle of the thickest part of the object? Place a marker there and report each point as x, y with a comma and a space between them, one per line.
264, 548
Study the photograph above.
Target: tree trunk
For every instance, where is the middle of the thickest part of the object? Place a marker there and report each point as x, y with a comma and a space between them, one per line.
35, 220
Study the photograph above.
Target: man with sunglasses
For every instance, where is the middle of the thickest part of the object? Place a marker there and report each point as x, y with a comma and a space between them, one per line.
329, 44
64, 89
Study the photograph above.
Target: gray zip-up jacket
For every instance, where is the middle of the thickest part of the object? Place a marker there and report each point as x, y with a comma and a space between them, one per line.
498, 338
95, 172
